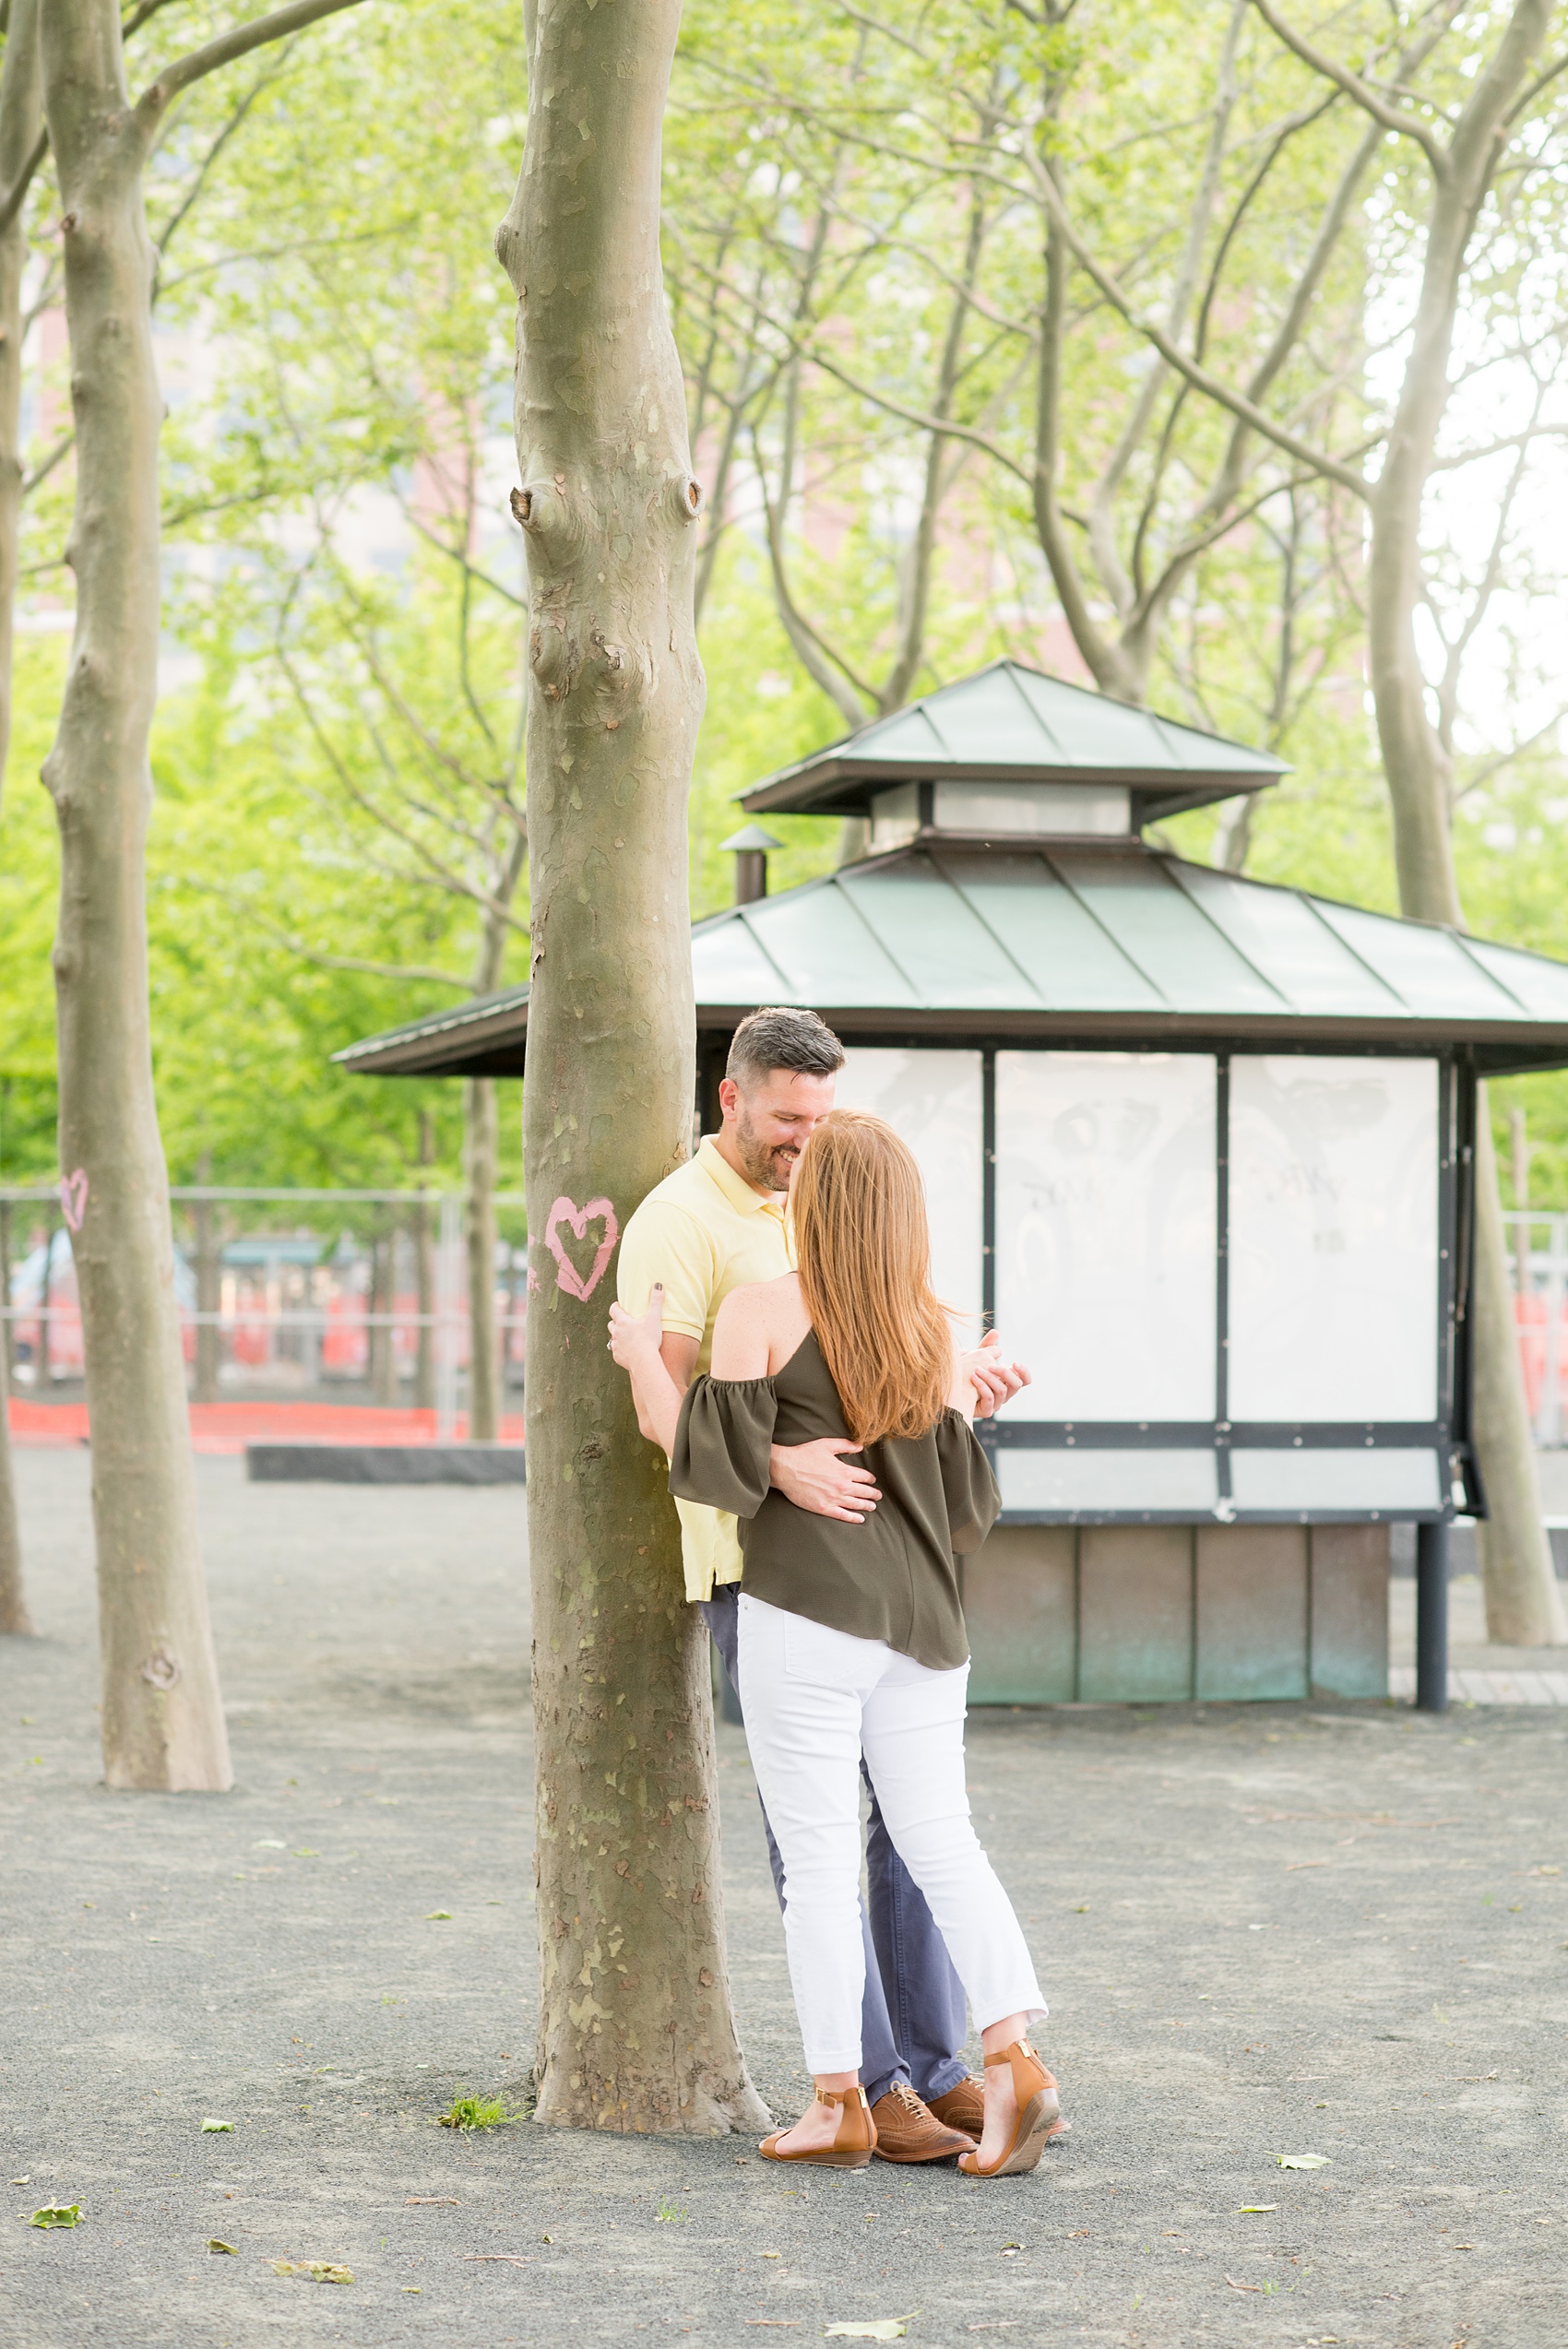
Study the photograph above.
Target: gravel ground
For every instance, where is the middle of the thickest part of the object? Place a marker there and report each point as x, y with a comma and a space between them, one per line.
1329, 1930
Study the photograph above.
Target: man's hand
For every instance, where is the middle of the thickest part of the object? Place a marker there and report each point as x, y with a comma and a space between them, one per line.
816, 1478
634, 1337
995, 1381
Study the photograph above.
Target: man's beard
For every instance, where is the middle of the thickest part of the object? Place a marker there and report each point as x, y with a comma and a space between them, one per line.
767, 1165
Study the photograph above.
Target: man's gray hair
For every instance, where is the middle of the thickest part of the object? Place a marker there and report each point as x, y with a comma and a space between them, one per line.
778, 1038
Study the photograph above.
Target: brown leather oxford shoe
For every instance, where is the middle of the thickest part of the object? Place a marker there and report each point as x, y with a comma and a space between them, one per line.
907, 2130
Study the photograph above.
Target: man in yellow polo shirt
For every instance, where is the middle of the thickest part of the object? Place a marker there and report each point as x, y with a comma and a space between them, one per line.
713, 1225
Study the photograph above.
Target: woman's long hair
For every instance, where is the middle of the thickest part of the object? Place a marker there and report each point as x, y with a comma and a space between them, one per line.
864, 1247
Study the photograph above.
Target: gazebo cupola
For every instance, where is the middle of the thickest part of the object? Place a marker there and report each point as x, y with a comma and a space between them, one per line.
1012, 755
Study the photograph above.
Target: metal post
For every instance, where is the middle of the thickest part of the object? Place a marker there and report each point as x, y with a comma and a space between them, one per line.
448, 1295
1431, 1617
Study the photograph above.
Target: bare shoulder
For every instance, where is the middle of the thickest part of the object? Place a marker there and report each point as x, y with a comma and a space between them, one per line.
750, 1323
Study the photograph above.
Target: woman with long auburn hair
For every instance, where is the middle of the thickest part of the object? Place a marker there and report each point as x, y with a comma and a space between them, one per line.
851, 1634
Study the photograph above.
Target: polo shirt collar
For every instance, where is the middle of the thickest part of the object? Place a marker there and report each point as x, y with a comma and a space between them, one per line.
735, 1188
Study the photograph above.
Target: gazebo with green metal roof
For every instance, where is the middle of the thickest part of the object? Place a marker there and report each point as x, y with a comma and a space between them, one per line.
1200, 1147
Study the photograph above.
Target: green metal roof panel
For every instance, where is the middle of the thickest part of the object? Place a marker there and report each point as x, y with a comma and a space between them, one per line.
986, 722
947, 951
1286, 938
1540, 986
1090, 730
1158, 927
1427, 967
827, 951
728, 966
1068, 959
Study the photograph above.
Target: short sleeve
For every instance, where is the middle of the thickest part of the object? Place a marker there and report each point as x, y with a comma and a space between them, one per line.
663, 1242
968, 1484
722, 1444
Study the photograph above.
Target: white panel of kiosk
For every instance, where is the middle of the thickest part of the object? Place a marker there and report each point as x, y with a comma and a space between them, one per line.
936, 1101
1105, 1239
1334, 1237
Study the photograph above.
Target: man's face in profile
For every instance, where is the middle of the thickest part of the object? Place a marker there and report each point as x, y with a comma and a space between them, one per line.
771, 1122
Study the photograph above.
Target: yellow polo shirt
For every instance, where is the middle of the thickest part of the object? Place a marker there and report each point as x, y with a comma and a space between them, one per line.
703, 1232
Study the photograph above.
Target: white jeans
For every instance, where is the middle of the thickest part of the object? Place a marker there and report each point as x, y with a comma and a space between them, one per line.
815, 1700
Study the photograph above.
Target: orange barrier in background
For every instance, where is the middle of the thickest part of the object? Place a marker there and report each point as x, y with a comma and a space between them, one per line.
228, 1426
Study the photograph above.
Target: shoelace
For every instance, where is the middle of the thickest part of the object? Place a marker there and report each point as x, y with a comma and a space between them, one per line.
906, 2096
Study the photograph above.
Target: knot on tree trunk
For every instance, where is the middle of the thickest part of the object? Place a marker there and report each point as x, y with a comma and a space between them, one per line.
554, 655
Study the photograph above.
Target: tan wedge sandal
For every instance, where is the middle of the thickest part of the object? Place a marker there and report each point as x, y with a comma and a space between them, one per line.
1040, 2114
853, 2145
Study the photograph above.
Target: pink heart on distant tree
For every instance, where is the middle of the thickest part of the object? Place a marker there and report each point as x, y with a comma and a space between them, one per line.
564, 1212
73, 1197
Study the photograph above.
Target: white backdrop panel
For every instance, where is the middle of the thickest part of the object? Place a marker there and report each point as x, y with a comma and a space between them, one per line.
1105, 1232
934, 1101
1333, 1262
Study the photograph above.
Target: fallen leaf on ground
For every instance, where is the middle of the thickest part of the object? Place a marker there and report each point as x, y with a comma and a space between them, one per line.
878, 2328
303, 1851
1254, 2209
508, 2258
438, 1916
319, 2271
413, 2198
1242, 2287
217, 2128
57, 2215
1302, 2161
216, 2243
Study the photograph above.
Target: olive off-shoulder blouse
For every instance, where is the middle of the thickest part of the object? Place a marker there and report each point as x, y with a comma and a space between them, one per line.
892, 1578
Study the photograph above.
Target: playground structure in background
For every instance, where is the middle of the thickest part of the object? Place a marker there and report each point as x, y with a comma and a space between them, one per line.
350, 1296
333, 1302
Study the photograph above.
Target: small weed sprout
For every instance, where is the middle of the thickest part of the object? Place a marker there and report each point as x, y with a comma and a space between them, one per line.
476, 2112
667, 2215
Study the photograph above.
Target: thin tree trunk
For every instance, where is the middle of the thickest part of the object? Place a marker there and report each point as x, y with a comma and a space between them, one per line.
44, 1370
482, 1142
1524, 1604
14, 1616
209, 1290
635, 2030
383, 1280
424, 1277
8, 1328
162, 1722
21, 111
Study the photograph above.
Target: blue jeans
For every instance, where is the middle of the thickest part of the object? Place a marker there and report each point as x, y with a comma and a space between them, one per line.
912, 2019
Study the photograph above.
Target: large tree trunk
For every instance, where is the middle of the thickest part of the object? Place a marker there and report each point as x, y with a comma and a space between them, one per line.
482, 1146
1522, 1604
634, 2029
21, 111
163, 1718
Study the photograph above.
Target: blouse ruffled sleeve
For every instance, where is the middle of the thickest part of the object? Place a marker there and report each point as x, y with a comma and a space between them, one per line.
970, 1490
722, 1444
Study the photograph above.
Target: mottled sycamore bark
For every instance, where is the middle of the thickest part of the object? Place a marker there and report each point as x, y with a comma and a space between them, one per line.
635, 2028
21, 112
162, 1719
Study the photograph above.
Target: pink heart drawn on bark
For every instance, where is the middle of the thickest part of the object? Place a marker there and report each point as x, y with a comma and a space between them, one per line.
564, 1212
73, 1197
